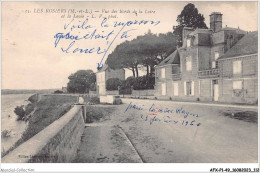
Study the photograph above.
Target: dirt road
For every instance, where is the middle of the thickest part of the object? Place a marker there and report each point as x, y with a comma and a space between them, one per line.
167, 132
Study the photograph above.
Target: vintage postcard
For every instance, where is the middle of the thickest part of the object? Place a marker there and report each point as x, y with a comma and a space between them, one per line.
129, 82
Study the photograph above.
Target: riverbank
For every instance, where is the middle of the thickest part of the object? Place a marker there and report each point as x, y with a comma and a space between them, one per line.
9, 123
55, 129
47, 110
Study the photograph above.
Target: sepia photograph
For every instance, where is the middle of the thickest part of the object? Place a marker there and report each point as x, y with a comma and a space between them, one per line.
129, 82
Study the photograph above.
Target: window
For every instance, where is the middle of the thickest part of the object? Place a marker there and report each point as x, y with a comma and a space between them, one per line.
163, 73
189, 88
188, 42
237, 67
188, 63
175, 89
213, 64
163, 89
237, 85
192, 88
216, 55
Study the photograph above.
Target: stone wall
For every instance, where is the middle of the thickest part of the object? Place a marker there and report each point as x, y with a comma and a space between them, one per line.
57, 143
113, 92
143, 92
110, 99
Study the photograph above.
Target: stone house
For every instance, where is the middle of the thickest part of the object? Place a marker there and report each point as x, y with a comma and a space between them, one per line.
192, 72
106, 73
238, 71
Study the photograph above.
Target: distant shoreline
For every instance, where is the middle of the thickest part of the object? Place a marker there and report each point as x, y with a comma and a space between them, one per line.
23, 91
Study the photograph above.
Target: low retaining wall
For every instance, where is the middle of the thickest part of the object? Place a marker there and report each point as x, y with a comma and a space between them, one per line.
108, 99
92, 93
56, 143
143, 92
113, 92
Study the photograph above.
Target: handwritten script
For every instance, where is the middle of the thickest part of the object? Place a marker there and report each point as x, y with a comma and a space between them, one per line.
154, 113
106, 31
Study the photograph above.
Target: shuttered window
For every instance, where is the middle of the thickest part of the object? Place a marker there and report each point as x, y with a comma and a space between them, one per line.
163, 89
163, 73
237, 67
237, 85
189, 88
216, 55
188, 42
175, 89
188, 63
192, 88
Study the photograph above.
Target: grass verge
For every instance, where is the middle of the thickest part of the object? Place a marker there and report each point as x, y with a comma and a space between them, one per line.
98, 113
248, 116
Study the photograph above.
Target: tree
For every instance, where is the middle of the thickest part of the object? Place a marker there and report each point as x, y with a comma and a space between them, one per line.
113, 84
80, 81
20, 112
189, 17
147, 50
127, 85
155, 48
144, 82
93, 87
125, 56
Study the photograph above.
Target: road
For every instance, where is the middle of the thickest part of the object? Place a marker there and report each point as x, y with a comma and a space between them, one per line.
139, 132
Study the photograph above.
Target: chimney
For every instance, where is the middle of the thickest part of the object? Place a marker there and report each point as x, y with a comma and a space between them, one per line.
216, 21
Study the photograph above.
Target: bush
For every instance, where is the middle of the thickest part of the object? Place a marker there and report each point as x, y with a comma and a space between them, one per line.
139, 83
130, 81
94, 100
80, 81
95, 114
113, 84
144, 82
127, 84
117, 101
20, 112
6, 133
29, 108
33, 98
58, 92
93, 87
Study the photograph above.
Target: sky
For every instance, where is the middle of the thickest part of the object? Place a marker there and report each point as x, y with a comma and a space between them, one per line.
30, 59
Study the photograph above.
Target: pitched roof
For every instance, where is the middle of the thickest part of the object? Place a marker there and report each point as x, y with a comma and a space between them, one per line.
238, 31
173, 58
245, 46
199, 30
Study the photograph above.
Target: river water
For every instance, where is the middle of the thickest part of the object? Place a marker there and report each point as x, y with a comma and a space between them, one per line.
8, 118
